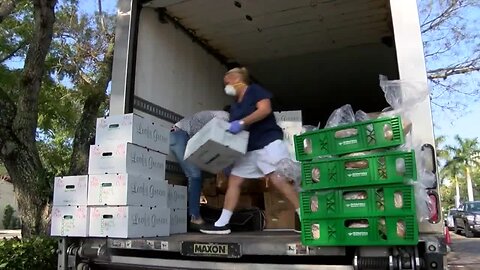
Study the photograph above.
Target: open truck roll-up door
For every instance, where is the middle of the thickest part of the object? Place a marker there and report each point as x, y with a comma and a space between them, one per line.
170, 57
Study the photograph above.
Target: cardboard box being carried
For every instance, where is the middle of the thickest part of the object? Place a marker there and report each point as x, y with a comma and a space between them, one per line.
213, 148
70, 190
134, 129
126, 189
129, 221
126, 158
70, 221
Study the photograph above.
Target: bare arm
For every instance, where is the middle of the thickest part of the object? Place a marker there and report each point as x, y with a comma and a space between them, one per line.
264, 108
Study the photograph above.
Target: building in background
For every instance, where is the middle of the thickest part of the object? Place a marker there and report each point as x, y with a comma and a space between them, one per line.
7, 197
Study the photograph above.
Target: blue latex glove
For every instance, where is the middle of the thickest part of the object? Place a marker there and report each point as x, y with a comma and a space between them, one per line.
235, 127
228, 170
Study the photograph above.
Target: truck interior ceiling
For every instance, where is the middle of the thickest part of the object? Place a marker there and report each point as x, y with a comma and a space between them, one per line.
313, 55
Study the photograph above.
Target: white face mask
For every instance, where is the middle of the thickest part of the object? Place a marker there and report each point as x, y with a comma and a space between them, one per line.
230, 90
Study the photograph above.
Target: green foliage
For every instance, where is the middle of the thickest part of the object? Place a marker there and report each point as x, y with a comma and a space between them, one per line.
35, 253
16, 31
454, 160
73, 65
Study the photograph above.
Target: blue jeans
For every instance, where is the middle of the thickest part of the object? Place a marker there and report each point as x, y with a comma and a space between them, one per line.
178, 143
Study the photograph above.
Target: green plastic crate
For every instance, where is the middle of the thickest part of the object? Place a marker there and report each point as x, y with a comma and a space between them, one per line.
381, 169
396, 200
368, 135
379, 231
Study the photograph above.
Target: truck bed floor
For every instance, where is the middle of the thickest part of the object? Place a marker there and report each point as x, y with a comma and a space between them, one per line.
252, 243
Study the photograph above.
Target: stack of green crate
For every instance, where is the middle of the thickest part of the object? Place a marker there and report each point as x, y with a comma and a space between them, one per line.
357, 200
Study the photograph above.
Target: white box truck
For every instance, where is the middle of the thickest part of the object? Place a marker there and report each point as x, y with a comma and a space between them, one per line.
314, 55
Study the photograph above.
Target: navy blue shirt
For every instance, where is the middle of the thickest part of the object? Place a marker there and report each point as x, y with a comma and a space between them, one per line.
262, 132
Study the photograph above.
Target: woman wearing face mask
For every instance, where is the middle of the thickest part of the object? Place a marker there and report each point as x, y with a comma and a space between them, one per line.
252, 111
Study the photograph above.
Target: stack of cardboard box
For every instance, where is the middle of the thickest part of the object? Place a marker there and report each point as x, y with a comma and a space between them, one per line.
70, 213
127, 194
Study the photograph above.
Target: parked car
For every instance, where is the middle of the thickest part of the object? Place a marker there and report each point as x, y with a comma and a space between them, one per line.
449, 218
467, 219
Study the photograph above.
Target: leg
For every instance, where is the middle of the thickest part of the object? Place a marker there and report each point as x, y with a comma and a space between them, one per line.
233, 192
244, 168
178, 144
231, 200
285, 188
268, 160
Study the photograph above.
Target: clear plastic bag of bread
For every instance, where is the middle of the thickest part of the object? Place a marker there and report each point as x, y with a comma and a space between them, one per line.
423, 201
355, 195
308, 128
356, 164
400, 228
357, 224
341, 116
316, 231
289, 170
403, 97
361, 116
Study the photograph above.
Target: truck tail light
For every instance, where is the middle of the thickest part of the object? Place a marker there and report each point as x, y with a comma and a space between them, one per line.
434, 207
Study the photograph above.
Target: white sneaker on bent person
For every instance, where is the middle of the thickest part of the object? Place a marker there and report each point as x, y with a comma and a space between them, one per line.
219, 230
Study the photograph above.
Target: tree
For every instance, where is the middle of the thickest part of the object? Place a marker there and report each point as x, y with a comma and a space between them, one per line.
464, 157
44, 121
449, 171
18, 125
452, 171
452, 50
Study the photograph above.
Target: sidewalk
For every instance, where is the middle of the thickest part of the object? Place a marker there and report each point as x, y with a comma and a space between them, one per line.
10, 234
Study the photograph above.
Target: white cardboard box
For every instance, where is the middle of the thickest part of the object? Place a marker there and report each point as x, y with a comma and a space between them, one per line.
70, 190
70, 221
133, 128
177, 197
287, 119
178, 221
213, 148
126, 158
129, 221
291, 124
126, 189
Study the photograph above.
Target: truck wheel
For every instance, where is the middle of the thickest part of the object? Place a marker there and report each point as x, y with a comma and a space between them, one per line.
83, 266
468, 232
455, 228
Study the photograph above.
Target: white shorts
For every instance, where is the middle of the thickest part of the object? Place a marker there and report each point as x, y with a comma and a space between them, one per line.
258, 163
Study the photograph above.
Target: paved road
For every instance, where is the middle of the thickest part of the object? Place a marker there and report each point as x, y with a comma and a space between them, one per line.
465, 253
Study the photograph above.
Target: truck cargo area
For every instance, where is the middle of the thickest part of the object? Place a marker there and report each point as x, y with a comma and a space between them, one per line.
309, 54
314, 56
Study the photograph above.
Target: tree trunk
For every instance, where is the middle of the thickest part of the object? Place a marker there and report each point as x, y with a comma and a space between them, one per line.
84, 134
6, 7
469, 184
32, 190
18, 124
457, 193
